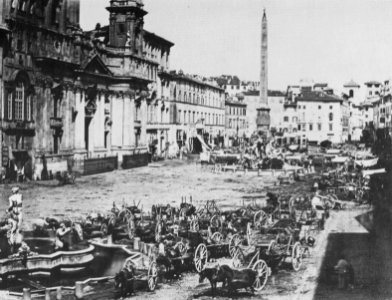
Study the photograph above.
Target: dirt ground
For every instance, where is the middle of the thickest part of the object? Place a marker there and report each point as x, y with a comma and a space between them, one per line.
166, 182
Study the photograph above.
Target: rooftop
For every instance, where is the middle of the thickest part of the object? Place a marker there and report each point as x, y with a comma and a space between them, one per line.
271, 93
231, 101
318, 96
373, 82
320, 85
351, 83
191, 78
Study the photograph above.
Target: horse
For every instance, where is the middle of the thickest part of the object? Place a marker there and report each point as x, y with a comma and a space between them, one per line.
212, 275
124, 280
236, 279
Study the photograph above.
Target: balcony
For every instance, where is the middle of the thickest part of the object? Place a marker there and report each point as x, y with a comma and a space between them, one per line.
18, 125
56, 123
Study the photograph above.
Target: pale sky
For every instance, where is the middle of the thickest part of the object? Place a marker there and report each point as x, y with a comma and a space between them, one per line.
325, 40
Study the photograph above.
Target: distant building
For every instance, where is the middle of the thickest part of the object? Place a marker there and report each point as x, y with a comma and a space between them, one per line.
352, 91
373, 89
323, 117
187, 108
236, 124
382, 104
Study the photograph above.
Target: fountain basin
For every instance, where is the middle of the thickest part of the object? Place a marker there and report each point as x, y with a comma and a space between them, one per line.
46, 259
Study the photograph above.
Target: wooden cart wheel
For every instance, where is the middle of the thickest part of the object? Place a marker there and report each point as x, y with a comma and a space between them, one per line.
259, 219
104, 229
238, 260
234, 244
181, 248
215, 221
296, 256
217, 237
201, 257
152, 276
263, 271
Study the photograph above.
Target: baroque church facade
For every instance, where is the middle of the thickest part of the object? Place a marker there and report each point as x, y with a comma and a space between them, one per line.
69, 97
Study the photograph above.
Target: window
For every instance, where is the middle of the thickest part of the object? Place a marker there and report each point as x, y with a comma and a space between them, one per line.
120, 28
351, 93
330, 127
304, 107
285, 119
9, 106
331, 116
330, 107
310, 127
28, 108
19, 99
299, 126
319, 127
319, 107
370, 93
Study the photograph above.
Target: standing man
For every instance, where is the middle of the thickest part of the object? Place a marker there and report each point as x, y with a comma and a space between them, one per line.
15, 205
345, 273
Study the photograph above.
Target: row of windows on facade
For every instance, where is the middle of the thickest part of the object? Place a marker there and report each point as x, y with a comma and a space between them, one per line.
319, 127
237, 124
25, 6
19, 104
188, 117
319, 107
237, 111
196, 99
295, 119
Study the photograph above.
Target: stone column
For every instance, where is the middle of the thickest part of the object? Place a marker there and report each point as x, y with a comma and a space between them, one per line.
46, 132
99, 122
79, 120
143, 118
117, 118
132, 120
128, 118
159, 150
91, 132
66, 120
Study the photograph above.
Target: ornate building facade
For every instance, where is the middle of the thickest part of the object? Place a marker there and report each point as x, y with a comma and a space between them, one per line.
70, 95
